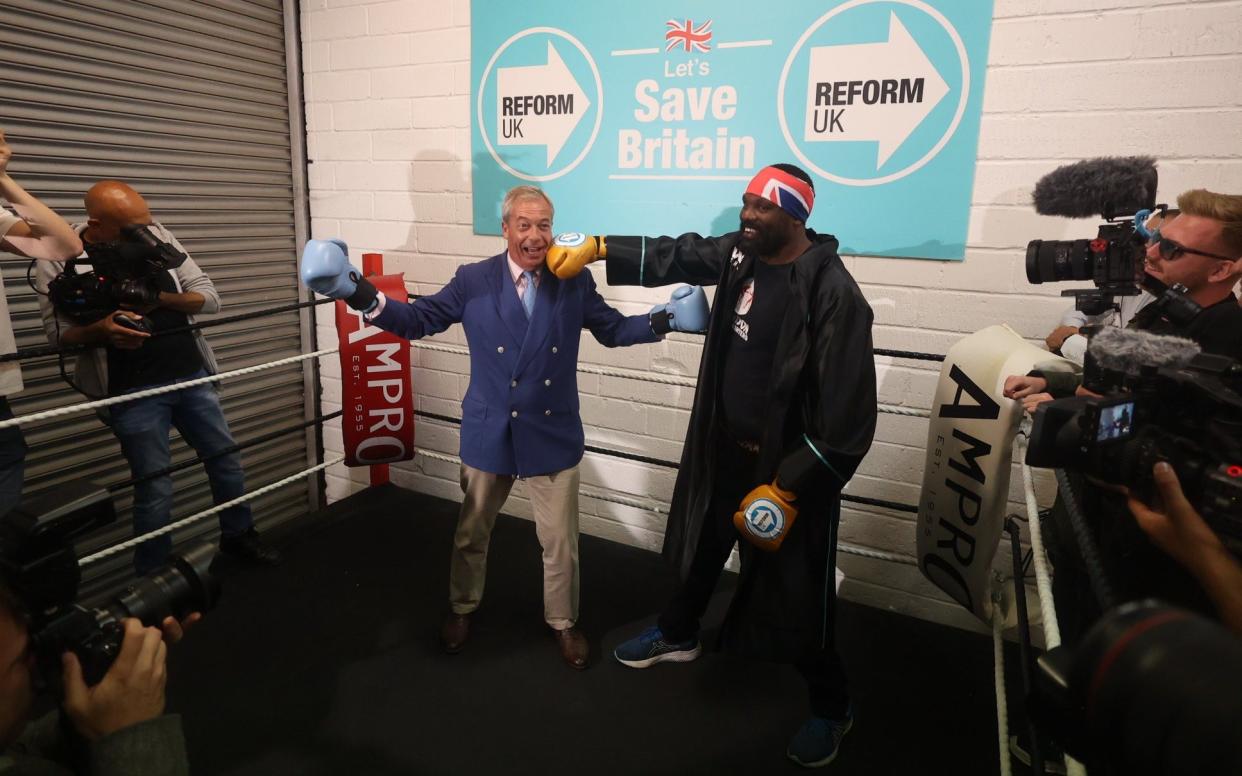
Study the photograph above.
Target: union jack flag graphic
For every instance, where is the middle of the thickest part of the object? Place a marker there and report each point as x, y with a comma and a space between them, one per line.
687, 35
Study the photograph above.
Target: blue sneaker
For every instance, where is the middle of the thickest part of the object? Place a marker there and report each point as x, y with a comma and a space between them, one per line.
818, 740
649, 647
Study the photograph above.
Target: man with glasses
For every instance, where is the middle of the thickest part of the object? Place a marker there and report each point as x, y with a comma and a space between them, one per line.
1201, 249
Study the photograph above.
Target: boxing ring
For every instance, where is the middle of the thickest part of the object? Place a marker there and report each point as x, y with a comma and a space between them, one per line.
383, 510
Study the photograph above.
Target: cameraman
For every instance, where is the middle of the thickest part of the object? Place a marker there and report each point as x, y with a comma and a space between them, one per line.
116, 727
126, 359
34, 232
1201, 249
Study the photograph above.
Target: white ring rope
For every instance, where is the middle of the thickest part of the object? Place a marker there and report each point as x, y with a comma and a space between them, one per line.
633, 374
1002, 702
1039, 560
676, 380
73, 409
113, 550
849, 549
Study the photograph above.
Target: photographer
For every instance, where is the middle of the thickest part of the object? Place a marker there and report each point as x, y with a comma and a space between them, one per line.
116, 727
141, 344
1201, 249
34, 232
1175, 527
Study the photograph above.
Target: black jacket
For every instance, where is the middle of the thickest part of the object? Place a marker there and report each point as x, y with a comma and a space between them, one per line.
818, 425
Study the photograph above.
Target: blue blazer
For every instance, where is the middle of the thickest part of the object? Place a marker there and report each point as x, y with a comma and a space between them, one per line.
520, 413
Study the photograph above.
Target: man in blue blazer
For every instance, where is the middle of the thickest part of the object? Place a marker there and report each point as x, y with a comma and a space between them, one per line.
520, 413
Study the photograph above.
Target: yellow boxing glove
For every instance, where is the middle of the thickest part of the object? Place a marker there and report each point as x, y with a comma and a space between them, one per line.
572, 251
765, 516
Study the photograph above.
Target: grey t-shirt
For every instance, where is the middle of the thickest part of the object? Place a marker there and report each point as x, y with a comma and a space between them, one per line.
11, 372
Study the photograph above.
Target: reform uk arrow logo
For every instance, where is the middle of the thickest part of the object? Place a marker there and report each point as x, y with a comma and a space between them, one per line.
900, 93
539, 104
871, 91
535, 90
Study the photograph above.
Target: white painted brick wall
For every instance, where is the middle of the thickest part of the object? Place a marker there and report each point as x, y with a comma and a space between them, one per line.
388, 96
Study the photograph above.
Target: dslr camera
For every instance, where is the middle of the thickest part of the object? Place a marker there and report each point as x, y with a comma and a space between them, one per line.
38, 562
122, 273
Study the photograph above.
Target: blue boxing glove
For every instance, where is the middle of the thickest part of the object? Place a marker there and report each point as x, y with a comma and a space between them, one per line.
686, 310
326, 270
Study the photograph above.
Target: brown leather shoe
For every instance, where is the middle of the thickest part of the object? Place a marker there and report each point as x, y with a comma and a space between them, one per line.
574, 647
454, 631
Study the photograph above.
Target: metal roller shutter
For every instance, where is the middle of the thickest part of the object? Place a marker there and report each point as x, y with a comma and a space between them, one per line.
190, 102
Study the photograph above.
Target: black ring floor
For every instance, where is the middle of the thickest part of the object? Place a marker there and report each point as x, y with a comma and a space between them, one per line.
329, 664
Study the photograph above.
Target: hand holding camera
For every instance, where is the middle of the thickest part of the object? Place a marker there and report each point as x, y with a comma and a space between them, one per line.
123, 329
1172, 523
132, 690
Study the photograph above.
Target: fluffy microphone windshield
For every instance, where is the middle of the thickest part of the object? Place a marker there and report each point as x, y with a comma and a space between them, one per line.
1109, 186
1128, 351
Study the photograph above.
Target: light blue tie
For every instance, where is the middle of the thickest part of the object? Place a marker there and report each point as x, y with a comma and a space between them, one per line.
528, 298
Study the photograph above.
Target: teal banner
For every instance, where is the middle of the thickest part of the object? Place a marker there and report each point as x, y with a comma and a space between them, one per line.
651, 117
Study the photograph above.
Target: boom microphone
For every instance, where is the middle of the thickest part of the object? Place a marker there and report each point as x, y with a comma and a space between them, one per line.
1128, 351
1109, 186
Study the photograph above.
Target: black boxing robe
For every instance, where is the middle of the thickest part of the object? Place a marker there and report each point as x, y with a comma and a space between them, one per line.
818, 425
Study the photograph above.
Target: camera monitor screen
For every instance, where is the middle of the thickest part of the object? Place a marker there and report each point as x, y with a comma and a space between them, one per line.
1116, 422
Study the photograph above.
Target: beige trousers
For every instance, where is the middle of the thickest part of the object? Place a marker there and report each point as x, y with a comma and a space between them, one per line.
554, 498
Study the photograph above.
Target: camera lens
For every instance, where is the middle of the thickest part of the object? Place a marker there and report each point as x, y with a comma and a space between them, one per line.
182, 586
1051, 261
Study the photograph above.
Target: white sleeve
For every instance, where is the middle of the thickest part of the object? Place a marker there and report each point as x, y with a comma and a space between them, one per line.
1075, 348
7, 219
1075, 318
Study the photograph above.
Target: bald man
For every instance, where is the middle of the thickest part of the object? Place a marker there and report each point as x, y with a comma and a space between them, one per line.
129, 353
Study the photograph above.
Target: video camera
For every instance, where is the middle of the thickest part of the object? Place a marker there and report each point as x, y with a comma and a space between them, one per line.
38, 563
1164, 401
1122, 191
122, 273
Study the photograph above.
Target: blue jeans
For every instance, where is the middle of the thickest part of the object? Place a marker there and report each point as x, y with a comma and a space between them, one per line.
142, 427
12, 461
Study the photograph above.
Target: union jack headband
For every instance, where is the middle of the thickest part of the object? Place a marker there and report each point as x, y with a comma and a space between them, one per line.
793, 195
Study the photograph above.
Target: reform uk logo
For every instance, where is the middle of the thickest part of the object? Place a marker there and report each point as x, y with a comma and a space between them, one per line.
540, 103
873, 90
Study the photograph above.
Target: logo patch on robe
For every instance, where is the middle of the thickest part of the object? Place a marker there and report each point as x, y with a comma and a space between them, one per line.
746, 298
741, 328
